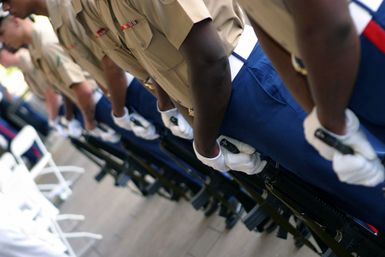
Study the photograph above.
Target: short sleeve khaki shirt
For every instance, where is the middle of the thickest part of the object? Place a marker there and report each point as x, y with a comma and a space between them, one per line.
74, 39
99, 29
55, 64
153, 31
32, 75
274, 17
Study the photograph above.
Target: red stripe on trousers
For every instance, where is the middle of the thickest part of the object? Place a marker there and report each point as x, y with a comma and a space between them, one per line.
7, 132
376, 34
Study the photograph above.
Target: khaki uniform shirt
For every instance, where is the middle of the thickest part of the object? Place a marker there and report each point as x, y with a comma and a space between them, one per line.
58, 67
277, 21
153, 31
274, 17
100, 30
32, 75
74, 39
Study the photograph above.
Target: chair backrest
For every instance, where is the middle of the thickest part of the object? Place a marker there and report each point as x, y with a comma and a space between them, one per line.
9, 160
27, 189
25, 140
17, 182
24, 206
15, 219
6, 176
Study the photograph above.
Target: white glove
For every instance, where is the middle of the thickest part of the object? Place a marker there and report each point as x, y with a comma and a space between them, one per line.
74, 128
137, 124
178, 125
247, 160
217, 163
142, 128
108, 136
55, 124
123, 121
357, 170
362, 168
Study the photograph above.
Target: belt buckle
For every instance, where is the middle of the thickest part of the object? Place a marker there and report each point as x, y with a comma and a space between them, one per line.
149, 86
191, 112
298, 65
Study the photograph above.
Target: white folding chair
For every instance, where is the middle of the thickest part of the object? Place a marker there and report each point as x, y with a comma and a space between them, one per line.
19, 234
23, 193
19, 210
24, 141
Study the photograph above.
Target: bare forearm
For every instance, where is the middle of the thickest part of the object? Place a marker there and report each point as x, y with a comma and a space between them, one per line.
330, 48
164, 101
211, 93
117, 84
52, 103
85, 102
68, 108
88, 110
210, 84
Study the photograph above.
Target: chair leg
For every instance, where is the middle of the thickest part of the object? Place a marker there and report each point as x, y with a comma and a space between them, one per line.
63, 169
46, 187
62, 190
62, 217
82, 235
86, 248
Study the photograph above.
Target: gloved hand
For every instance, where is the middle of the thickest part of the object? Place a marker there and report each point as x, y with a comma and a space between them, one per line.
362, 168
123, 121
55, 124
74, 128
142, 128
108, 136
236, 156
178, 125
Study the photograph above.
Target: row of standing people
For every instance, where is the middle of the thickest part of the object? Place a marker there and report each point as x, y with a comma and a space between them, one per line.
205, 65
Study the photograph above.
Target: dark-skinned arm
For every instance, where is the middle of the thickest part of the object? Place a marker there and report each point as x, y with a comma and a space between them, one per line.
281, 60
330, 49
52, 103
164, 101
68, 108
117, 85
210, 78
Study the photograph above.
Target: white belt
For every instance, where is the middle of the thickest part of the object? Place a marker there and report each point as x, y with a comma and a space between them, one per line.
130, 78
245, 46
97, 95
360, 16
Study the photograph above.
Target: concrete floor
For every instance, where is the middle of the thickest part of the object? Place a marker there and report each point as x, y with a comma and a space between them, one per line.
134, 226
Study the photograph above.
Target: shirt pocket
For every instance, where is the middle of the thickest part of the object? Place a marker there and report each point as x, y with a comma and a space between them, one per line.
151, 44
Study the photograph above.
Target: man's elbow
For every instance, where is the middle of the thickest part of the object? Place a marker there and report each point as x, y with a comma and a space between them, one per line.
212, 61
83, 91
110, 65
330, 33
